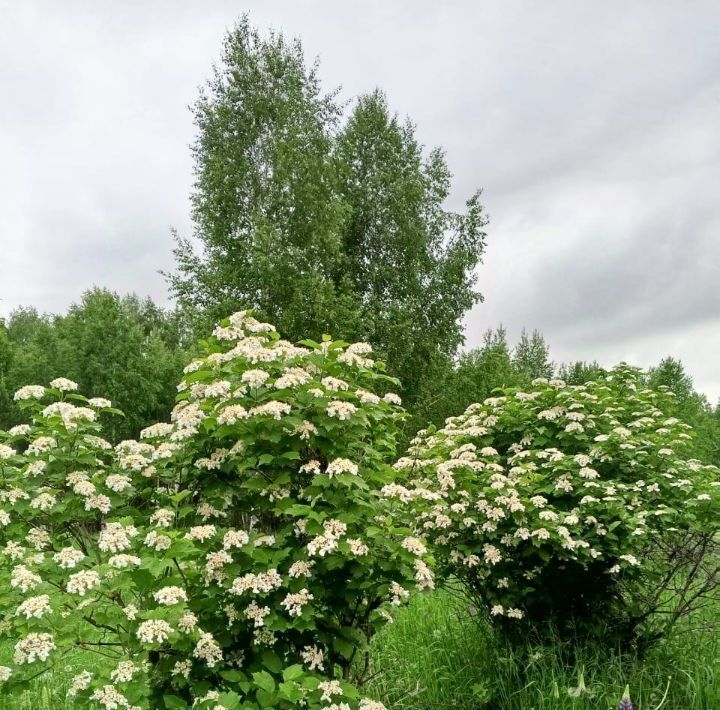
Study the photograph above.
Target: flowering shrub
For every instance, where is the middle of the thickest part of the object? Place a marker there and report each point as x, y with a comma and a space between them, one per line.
237, 557
543, 502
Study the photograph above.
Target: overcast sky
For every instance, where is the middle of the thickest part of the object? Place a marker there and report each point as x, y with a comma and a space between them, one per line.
593, 128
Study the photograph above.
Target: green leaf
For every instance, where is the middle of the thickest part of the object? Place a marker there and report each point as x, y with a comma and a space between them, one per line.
293, 672
272, 661
265, 681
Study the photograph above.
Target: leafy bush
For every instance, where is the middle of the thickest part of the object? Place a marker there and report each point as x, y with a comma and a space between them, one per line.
237, 557
544, 503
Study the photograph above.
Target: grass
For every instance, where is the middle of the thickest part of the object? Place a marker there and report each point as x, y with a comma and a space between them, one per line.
436, 655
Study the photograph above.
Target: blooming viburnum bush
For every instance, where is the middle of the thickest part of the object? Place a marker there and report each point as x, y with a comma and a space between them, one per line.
239, 556
544, 503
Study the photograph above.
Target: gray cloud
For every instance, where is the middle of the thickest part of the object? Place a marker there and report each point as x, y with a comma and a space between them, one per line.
591, 126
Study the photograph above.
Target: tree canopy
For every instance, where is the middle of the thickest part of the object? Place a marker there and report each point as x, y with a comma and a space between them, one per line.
123, 346
320, 223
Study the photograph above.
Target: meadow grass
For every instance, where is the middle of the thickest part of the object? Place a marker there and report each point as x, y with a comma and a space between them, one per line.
438, 655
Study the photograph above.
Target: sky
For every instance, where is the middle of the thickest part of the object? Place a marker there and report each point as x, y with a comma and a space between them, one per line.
591, 127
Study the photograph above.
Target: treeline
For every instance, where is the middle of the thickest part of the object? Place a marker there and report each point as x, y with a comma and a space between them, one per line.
477, 373
132, 351
120, 347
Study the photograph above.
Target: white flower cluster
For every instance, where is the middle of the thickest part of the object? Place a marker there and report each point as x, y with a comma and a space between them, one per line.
498, 505
143, 529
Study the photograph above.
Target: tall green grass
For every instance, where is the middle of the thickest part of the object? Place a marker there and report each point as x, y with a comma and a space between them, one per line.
437, 655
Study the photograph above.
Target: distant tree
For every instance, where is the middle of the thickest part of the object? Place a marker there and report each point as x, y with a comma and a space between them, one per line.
28, 354
410, 262
578, 372
113, 346
123, 348
323, 227
473, 377
689, 405
531, 357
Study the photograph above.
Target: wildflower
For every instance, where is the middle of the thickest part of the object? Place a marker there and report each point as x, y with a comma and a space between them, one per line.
294, 603
79, 682
30, 392
255, 378
208, 650
341, 466
232, 414
368, 704
292, 377
492, 554
34, 607
115, 537
341, 410
330, 688
235, 538
117, 483
43, 502
423, 576
398, 594
98, 502
154, 631
259, 583
182, 668
24, 579
162, 517
82, 582
124, 561
257, 613
188, 621
305, 430
367, 397
313, 657
124, 672
201, 533
625, 702
310, 467
110, 697
33, 647
414, 545
63, 384
334, 384
170, 595
358, 547
157, 542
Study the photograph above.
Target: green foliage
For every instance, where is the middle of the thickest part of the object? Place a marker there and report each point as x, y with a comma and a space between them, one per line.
319, 225
229, 558
579, 372
476, 374
531, 357
690, 406
125, 347
547, 503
